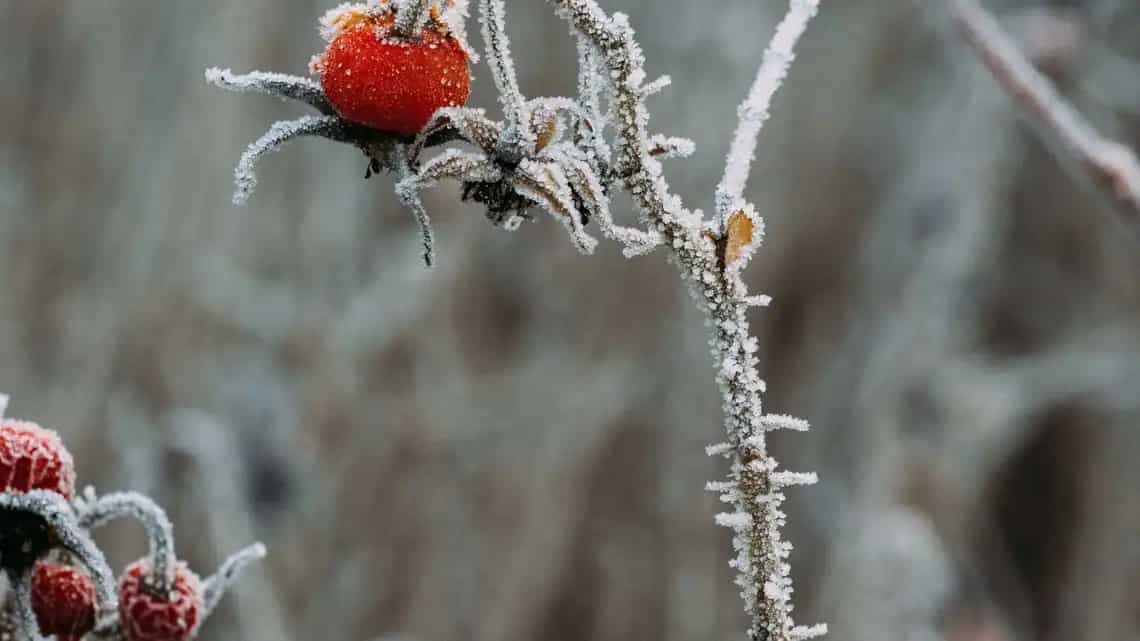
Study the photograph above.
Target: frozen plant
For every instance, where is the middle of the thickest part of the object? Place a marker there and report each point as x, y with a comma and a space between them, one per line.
567, 155
60, 582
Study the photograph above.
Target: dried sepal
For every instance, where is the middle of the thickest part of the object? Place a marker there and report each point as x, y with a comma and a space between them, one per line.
272, 84
95, 512
216, 585
245, 175
547, 184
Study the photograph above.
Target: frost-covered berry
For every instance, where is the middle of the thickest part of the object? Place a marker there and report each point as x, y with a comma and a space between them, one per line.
34, 458
376, 77
147, 617
63, 598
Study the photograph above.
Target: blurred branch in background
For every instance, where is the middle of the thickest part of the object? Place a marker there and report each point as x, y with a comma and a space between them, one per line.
1112, 165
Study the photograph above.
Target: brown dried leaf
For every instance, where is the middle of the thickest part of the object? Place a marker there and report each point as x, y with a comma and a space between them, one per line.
739, 235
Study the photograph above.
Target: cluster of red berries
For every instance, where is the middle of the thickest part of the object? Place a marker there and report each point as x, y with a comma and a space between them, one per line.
63, 596
373, 75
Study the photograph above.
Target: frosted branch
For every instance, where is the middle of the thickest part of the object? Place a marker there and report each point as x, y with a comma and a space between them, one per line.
1113, 166
94, 513
754, 111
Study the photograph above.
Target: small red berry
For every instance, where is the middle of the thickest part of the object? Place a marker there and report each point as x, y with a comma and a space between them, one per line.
145, 617
376, 77
34, 458
63, 598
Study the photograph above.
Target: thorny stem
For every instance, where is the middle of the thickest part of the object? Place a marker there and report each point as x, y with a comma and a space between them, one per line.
724, 299
1113, 166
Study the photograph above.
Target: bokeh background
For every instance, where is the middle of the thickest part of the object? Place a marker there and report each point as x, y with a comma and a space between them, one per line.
509, 447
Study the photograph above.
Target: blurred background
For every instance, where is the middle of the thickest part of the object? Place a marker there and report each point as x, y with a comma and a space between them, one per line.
509, 447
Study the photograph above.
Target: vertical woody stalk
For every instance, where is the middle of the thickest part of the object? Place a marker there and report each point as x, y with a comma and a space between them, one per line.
703, 256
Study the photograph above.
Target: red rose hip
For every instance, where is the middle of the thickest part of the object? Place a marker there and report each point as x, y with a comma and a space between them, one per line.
375, 77
63, 599
146, 617
34, 458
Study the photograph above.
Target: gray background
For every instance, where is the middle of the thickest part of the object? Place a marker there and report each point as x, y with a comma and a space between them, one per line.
510, 447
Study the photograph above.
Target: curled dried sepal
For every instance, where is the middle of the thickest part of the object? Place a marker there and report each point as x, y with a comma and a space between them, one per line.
272, 84
411, 199
214, 587
547, 184
24, 608
93, 513
245, 176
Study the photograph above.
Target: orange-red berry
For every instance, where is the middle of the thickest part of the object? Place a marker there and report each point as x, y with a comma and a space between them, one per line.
146, 617
378, 78
63, 598
34, 458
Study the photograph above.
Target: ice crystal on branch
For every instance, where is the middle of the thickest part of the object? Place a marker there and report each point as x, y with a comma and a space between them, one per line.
568, 156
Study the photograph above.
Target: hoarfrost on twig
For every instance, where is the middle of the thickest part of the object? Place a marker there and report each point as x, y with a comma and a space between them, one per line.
754, 111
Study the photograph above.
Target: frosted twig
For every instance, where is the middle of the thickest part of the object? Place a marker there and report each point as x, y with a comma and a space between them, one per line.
1112, 165
160, 534
754, 111
4, 398
214, 587
721, 294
